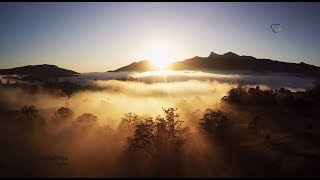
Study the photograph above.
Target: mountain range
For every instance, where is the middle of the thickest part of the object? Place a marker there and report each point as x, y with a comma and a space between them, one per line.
229, 61
214, 62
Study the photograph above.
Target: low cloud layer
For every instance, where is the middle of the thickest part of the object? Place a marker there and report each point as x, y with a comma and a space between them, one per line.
272, 80
119, 97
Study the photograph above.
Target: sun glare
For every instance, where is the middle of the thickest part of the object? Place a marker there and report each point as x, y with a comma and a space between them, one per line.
160, 56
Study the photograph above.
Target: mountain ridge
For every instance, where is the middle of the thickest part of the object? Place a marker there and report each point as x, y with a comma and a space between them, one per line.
229, 61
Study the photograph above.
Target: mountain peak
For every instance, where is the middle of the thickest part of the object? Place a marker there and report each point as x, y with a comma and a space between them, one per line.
230, 54
212, 54
143, 65
48, 65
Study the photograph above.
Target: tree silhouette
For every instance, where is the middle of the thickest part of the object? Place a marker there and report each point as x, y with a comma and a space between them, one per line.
68, 89
171, 121
143, 136
162, 136
62, 114
128, 123
237, 95
213, 122
86, 121
30, 112
31, 119
159, 142
285, 97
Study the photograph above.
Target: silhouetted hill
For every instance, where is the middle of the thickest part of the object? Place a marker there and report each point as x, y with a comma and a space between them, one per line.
38, 70
232, 61
140, 66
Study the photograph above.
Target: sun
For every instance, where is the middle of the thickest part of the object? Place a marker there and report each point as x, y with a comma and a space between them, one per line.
160, 56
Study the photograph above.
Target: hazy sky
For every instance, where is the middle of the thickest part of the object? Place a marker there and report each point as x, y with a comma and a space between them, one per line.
89, 37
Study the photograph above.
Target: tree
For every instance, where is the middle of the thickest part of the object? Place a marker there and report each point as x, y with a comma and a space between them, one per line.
62, 114
128, 123
213, 122
237, 95
143, 136
30, 112
256, 96
31, 119
159, 142
68, 89
162, 136
87, 120
171, 121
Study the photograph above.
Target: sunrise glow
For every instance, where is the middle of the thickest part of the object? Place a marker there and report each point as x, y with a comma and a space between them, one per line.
160, 56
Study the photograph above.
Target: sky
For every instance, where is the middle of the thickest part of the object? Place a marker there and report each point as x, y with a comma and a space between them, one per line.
102, 36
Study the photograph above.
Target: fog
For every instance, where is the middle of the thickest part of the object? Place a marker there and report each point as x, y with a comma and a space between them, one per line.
87, 149
273, 80
102, 149
119, 97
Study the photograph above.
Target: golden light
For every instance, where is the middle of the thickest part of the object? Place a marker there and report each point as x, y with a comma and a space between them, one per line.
160, 56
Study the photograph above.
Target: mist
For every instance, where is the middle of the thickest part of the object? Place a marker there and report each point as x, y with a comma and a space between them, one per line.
108, 106
95, 129
272, 80
119, 97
